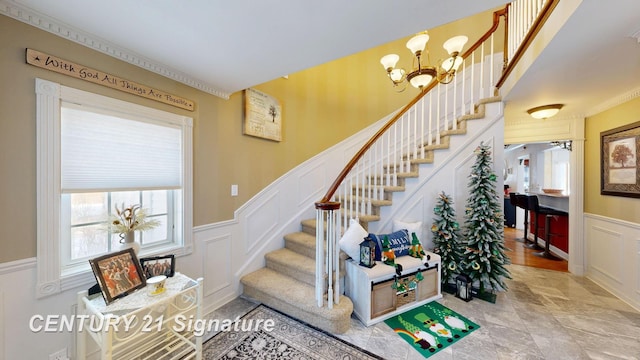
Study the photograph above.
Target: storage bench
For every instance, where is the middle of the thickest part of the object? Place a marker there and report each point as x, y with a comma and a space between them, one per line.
374, 299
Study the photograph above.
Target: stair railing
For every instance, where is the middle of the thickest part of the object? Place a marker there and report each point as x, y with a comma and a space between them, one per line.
415, 130
524, 21
407, 137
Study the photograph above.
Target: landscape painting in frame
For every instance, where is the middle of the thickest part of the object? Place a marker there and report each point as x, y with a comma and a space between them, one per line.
619, 161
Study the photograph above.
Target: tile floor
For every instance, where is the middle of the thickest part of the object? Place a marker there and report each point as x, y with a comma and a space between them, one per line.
545, 314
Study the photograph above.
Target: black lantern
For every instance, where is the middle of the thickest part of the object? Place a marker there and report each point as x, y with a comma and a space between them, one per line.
463, 287
368, 252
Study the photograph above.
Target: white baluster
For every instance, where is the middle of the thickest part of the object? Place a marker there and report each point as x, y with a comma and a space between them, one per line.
472, 89
319, 256
491, 61
481, 90
330, 259
438, 115
336, 257
422, 118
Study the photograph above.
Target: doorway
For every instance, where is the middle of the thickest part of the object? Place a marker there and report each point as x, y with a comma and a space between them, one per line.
530, 168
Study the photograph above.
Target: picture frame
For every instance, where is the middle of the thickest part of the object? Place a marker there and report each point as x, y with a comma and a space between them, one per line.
619, 165
118, 274
158, 265
262, 115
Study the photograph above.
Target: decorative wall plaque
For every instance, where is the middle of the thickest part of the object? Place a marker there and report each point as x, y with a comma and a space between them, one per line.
61, 66
262, 116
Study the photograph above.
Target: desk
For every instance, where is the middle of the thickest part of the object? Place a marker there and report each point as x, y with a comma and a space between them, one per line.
142, 326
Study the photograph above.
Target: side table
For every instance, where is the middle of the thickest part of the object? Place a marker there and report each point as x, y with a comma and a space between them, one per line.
142, 326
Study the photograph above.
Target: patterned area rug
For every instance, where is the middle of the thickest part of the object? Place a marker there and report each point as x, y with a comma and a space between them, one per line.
286, 339
431, 327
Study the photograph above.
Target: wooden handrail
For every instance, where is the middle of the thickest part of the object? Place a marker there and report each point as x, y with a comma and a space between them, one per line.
528, 39
322, 204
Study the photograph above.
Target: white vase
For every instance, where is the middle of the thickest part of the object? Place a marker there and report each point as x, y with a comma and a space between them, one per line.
129, 242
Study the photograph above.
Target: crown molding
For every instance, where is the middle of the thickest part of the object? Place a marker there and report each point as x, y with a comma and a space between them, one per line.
613, 102
528, 120
52, 26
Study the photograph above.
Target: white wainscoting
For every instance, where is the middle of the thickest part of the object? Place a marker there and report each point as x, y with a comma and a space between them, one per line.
225, 251
2, 353
613, 256
222, 253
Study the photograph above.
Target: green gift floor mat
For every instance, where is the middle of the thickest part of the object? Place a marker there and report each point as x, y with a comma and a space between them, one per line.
431, 327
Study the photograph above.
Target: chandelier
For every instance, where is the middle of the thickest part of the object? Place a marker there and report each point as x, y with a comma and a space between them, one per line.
421, 75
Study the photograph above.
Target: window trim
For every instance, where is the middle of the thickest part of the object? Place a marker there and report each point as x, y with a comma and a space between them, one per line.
48, 101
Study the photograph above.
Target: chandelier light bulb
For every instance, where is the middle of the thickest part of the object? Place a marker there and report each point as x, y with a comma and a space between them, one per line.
421, 80
455, 44
389, 61
417, 43
397, 74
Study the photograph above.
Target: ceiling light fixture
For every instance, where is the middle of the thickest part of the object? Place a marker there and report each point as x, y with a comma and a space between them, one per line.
422, 75
545, 112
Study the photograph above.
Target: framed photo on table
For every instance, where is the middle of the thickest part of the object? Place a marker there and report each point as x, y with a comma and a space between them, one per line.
158, 265
619, 166
118, 274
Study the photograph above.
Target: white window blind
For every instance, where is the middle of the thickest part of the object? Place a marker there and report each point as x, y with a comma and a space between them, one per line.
101, 151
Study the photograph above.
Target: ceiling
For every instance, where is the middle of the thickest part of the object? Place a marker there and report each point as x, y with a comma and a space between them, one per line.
222, 47
593, 58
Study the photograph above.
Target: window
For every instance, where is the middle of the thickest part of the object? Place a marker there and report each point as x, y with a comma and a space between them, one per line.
95, 153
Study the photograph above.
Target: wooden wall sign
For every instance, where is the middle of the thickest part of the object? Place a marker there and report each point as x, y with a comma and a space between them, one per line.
78, 71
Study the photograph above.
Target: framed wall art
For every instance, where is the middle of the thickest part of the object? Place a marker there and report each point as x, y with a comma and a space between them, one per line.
158, 265
262, 115
619, 166
118, 274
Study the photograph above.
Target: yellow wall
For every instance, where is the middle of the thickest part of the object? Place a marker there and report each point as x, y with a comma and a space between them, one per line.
616, 207
315, 116
321, 106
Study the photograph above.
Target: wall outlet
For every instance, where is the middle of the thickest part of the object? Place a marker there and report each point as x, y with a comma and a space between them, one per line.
59, 355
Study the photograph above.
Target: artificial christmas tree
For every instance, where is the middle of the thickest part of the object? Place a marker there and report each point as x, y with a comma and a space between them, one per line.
484, 259
446, 239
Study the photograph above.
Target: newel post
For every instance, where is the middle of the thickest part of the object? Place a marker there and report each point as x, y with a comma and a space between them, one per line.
327, 260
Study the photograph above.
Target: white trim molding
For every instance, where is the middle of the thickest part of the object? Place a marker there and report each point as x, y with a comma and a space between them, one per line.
2, 336
50, 279
47, 185
18, 265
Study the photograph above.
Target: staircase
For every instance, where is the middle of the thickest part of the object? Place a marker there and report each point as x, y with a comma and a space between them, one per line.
287, 283
365, 187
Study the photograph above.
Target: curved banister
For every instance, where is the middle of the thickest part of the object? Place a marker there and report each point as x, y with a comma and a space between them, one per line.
325, 202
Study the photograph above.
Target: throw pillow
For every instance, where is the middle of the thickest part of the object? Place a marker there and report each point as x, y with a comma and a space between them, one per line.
399, 241
351, 239
412, 227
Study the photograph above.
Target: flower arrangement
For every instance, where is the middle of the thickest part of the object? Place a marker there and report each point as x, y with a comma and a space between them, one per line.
131, 218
